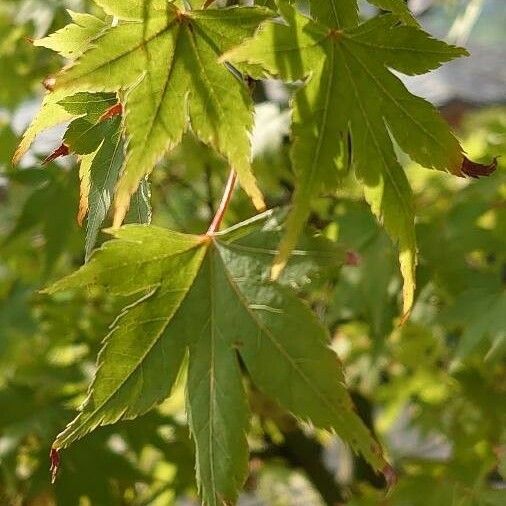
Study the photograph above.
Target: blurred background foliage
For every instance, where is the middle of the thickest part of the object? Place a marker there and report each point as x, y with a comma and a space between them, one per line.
434, 390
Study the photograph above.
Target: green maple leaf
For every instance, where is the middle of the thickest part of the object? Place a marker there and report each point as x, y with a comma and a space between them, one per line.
166, 60
350, 90
211, 297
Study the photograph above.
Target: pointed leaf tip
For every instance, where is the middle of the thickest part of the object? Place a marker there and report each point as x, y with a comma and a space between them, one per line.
390, 476
54, 456
63, 150
476, 170
277, 269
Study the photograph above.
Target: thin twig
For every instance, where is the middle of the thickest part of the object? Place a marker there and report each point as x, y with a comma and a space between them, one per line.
225, 200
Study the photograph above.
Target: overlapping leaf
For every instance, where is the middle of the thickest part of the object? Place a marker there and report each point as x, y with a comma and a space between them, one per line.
212, 297
350, 90
190, 87
97, 140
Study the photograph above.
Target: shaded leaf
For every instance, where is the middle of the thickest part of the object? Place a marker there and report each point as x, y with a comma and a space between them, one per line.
96, 137
212, 296
397, 7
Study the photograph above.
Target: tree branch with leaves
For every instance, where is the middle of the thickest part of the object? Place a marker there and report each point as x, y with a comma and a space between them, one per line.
208, 303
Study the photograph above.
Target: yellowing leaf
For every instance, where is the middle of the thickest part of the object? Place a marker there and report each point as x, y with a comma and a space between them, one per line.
69, 42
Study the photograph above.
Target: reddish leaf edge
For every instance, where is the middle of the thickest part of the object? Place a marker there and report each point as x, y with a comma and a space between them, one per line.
63, 150
476, 170
54, 456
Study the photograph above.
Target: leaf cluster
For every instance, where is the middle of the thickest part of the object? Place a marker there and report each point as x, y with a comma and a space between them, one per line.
219, 318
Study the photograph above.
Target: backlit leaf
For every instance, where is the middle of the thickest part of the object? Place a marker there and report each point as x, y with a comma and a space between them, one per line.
163, 100
350, 90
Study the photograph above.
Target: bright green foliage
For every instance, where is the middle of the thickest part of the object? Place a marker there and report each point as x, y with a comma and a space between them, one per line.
70, 40
350, 90
212, 295
162, 99
205, 335
130, 381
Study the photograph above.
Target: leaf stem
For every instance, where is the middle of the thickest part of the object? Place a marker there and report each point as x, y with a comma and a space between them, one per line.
225, 201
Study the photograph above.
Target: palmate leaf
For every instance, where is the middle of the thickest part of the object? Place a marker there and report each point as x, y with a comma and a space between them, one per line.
166, 58
350, 89
211, 297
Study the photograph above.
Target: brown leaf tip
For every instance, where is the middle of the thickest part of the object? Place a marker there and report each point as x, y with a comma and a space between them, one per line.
63, 150
477, 170
390, 476
54, 456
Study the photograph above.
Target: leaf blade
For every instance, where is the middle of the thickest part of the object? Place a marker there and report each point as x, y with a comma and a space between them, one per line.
141, 357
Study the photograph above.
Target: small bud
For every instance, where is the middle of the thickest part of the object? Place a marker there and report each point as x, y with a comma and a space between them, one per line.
49, 83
